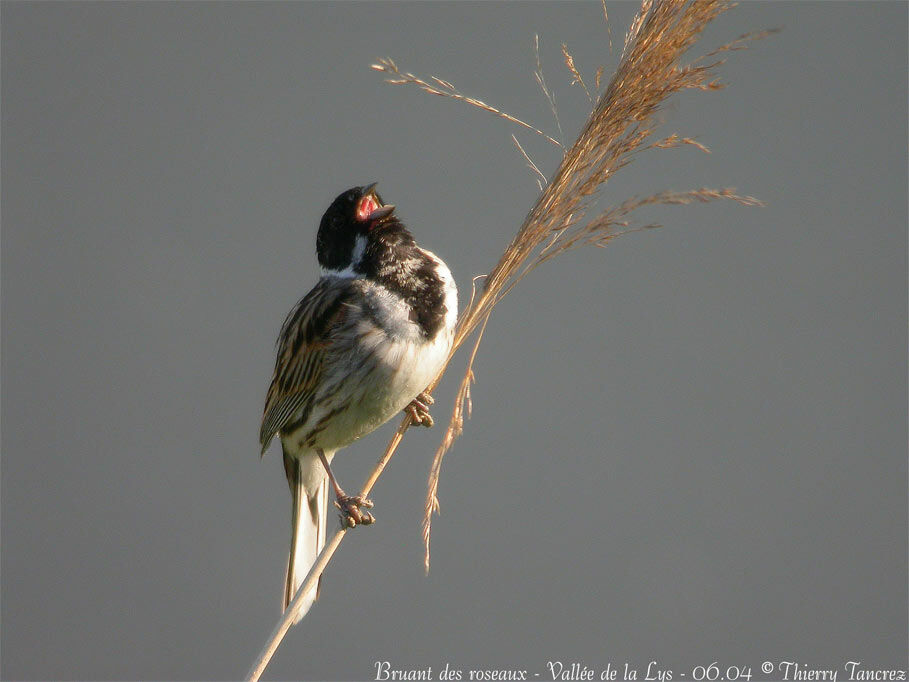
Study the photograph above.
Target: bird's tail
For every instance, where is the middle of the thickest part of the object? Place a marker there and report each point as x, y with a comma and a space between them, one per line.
310, 511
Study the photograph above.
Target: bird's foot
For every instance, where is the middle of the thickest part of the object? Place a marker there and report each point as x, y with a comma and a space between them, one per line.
418, 409
351, 513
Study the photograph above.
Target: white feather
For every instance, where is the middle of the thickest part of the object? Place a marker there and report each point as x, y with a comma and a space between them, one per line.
309, 520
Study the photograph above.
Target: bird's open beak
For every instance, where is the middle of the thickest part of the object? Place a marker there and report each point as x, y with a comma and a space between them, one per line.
371, 208
381, 212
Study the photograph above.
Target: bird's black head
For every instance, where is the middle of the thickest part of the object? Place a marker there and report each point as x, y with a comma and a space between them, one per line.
355, 218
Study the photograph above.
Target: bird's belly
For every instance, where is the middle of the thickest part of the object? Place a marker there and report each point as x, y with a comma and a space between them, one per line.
377, 384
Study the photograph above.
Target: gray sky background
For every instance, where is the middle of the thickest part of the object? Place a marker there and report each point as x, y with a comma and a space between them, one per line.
687, 447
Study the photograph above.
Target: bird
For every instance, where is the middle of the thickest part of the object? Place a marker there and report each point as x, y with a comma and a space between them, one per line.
361, 346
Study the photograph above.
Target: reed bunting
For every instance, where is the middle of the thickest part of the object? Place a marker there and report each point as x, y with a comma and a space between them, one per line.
357, 349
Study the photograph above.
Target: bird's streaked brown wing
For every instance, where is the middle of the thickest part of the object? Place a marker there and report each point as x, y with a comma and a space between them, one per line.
303, 344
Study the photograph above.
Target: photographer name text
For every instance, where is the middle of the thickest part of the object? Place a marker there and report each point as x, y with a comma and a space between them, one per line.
652, 671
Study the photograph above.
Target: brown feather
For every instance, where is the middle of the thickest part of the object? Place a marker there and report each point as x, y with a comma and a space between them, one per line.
302, 350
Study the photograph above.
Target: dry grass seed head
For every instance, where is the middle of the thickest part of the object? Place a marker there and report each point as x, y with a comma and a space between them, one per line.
619, 126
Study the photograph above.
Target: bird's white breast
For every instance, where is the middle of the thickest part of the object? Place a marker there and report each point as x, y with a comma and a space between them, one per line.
411, 359
388, 362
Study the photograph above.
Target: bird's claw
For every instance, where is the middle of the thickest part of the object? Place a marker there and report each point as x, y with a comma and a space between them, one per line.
351, 513
418, 409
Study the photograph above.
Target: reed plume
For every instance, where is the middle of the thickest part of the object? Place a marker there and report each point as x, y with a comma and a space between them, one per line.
620, 126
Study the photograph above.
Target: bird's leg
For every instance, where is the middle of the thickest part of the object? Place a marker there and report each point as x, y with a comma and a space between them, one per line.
351, 514
418, 409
